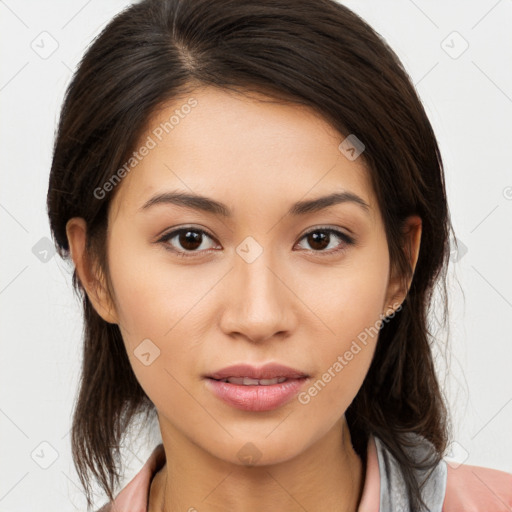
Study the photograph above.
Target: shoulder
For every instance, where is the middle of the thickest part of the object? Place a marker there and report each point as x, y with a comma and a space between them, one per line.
467, 488
477, 489
449, 487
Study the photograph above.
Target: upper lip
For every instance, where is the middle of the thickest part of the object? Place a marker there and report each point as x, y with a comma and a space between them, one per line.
267, 371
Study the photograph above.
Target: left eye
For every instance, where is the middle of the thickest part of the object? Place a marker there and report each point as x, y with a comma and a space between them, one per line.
325, 238
191, 240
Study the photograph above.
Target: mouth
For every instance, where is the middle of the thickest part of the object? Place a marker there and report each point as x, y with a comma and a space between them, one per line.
256, 395
247, 381
248, 375
251, 388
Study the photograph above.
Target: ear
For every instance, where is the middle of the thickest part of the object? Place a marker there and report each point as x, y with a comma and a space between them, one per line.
94, 284
398, 287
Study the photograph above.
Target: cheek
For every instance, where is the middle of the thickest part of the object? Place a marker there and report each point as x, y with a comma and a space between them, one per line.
152, 296
353, 311
342, 364
158, 306
350, 298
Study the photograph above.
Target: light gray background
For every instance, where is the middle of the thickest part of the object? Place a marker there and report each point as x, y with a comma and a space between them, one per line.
468, 97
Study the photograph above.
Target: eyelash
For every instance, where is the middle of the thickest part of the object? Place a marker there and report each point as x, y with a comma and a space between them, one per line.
192, 254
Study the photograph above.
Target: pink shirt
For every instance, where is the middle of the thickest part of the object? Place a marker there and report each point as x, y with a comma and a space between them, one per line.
467, 488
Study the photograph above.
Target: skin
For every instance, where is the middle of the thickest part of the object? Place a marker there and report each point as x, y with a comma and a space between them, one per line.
293, 304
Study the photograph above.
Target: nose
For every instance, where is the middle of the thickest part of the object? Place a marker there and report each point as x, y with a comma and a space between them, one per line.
260, 304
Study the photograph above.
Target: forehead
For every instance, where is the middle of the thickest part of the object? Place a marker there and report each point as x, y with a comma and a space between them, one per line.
241, 147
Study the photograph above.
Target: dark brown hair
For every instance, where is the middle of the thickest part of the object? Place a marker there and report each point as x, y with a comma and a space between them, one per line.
309, 52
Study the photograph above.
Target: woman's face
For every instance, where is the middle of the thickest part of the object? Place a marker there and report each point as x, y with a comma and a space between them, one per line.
252, 286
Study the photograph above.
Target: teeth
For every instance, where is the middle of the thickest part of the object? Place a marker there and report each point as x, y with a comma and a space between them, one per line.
247, 381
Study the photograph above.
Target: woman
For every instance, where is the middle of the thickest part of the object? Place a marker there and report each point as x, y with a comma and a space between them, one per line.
254, 201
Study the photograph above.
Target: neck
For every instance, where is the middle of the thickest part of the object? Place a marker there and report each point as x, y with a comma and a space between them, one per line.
328, 475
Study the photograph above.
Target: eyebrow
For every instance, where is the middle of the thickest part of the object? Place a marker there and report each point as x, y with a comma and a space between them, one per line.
206, 204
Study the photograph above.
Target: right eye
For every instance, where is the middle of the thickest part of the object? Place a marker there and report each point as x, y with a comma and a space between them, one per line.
190, 239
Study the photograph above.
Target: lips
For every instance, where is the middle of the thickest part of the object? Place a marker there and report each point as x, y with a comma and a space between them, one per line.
264, 375
254, 389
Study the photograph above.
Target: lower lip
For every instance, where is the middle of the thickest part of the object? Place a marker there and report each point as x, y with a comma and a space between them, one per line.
256, 398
